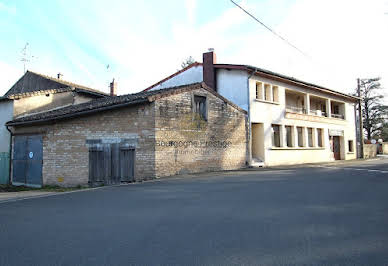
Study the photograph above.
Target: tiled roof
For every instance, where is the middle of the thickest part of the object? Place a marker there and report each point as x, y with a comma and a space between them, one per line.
99, 105
254, 70
262, 71
32, 82
112, 102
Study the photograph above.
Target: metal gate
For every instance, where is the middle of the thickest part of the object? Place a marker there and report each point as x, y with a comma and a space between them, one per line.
4, 167
27, 161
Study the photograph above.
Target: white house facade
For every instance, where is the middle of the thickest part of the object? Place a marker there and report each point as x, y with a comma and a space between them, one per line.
291, 121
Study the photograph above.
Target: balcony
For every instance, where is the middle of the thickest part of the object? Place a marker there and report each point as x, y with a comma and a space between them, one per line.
295, 102
295, 109
317, 106
318, 113
337, 110
339, 116
310, 107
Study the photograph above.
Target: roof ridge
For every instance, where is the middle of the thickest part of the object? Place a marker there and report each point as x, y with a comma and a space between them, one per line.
98, 104
67, 83
173, 75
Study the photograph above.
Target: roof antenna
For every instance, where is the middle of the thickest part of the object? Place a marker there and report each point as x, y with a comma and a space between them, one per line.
25, 58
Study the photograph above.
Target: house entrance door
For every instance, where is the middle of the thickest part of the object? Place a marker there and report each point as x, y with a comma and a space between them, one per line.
27, 161
337, 148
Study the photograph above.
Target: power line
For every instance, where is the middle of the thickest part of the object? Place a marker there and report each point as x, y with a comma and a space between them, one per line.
268, 28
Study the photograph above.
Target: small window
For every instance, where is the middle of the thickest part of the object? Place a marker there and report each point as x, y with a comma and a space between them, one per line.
267, 92
289, 136
200, 107
310, 137
259, 91
320, 137
351, 147
300, 136
275, 135
275, 94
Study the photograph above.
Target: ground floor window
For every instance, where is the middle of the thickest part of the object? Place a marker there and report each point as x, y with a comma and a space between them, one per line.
300, 136
320, 138
351, 147
310, 137
289, 136
275, 135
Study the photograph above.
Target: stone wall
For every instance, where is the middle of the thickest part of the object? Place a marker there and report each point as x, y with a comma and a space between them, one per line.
169, 139
185, 144
385, 147
370, 151
65, 152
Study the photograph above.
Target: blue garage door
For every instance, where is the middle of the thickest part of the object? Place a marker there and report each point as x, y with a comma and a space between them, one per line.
27, 161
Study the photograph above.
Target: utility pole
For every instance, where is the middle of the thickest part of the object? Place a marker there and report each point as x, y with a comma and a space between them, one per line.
360, 118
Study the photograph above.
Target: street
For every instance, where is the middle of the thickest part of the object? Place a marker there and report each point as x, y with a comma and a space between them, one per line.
313, 215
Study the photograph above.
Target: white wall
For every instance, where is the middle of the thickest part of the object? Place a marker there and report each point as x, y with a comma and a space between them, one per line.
191, 75
232, 84
6, 114
274, 113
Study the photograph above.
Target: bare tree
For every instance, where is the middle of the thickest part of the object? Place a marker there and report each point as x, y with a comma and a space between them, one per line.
384, 132
188, 61
373, 111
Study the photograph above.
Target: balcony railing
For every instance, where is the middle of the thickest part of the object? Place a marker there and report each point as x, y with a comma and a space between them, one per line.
295, 109
318, 112
338, 116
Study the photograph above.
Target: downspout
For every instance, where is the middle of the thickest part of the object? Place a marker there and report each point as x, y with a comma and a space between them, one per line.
249, 120
10, 154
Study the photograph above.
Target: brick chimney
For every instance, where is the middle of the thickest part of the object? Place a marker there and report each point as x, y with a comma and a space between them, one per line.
113, 88
209, 74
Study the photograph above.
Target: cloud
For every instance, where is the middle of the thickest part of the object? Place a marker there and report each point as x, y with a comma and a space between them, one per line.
143, 44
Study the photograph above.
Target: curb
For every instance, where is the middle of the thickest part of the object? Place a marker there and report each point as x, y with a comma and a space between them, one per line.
57, 193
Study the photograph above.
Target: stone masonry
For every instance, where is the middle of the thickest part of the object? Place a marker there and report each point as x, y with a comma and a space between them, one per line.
185, 146
169, 139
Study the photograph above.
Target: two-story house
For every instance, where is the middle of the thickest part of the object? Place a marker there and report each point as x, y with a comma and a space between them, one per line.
290, 121
35, 93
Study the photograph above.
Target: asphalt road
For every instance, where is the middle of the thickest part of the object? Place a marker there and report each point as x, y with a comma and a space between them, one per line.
329, 215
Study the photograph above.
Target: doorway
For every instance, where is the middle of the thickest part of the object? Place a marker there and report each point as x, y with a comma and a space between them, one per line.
111, 164
258, 142
336, 147
27, 161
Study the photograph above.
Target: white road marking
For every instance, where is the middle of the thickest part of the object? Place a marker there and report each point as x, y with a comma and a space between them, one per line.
357, 169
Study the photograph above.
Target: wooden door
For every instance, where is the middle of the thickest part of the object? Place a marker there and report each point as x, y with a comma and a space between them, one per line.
337, 148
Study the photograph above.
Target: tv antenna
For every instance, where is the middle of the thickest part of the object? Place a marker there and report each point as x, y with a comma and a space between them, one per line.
25, 57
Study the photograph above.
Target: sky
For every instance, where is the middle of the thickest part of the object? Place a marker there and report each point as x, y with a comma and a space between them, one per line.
144, 41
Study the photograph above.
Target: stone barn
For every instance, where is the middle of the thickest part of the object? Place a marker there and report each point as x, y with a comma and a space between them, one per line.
127, 138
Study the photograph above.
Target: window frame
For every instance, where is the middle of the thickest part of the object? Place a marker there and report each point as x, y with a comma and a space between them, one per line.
300, 143
204, 100
273, 134
350, 146
289, 136
310, 137
320, 138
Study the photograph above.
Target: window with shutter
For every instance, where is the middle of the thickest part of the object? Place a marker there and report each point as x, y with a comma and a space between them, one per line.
200, 107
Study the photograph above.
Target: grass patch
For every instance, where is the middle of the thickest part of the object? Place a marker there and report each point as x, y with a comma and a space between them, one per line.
11, 188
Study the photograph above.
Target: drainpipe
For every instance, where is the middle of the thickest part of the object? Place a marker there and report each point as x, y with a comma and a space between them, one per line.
249, 120
10, 153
